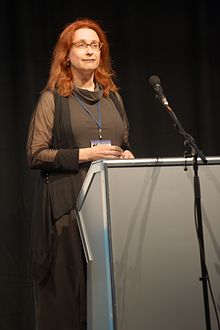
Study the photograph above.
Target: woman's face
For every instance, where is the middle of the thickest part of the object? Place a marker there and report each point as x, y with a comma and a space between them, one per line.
84, 55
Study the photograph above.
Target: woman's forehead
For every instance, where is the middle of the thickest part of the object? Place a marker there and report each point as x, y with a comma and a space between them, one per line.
84, 34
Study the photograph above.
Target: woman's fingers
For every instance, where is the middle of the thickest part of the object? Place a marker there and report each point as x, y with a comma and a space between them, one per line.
107, 151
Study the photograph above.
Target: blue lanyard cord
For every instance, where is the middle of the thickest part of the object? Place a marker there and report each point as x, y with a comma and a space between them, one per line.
99, 121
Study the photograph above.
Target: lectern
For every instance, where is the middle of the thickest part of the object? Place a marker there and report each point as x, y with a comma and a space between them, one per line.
136, 220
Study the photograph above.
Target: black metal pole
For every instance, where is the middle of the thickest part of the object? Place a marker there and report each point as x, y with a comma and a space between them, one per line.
204, 276
195, 152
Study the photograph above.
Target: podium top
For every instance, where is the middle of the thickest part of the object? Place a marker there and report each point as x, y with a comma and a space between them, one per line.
102, 165
212, 160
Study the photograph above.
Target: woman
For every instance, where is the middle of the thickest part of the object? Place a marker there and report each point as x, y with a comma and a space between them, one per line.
79, 118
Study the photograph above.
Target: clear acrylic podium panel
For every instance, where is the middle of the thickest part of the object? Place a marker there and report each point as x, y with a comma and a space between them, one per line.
137, 224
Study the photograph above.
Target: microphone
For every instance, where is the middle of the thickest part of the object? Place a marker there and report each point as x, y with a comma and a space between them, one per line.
154, 81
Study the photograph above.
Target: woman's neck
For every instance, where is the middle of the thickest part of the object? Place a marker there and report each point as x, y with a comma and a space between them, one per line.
86, 85
84, 82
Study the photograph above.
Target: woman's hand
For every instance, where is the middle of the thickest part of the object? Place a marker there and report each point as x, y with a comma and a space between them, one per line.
126, 154
102, 151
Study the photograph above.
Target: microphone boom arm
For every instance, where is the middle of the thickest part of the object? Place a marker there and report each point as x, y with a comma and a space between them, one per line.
189, 141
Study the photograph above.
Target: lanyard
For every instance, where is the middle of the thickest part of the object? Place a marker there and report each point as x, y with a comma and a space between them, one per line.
99, 121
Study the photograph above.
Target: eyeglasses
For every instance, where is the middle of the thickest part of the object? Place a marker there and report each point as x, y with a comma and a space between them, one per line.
95, 45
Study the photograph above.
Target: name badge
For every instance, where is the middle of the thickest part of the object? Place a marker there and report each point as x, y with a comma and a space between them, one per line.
94, 143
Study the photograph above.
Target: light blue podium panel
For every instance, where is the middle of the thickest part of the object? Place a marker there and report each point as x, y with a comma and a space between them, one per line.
137, 224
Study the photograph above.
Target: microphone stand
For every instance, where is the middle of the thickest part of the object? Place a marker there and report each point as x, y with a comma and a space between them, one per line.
195, 153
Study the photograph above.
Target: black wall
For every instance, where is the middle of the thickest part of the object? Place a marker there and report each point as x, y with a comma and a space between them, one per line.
176, 40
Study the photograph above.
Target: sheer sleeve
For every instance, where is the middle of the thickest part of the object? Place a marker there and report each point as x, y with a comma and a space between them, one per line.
40, 153
126, 143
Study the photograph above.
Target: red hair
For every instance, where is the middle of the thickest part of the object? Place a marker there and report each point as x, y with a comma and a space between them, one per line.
60, 72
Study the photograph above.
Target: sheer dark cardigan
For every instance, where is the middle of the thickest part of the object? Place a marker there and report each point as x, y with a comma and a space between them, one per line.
55, 193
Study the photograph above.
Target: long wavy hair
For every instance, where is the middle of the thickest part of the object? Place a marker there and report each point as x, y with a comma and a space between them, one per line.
61, 77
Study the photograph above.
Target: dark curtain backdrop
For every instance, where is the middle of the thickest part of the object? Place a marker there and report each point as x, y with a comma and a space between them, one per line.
176, 40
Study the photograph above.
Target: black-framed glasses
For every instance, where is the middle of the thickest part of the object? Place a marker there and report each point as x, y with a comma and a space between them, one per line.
95, 45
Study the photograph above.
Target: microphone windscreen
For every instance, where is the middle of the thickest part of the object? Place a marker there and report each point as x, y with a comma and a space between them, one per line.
154, 80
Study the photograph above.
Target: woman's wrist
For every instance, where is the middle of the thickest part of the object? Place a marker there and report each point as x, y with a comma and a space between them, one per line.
84, 155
